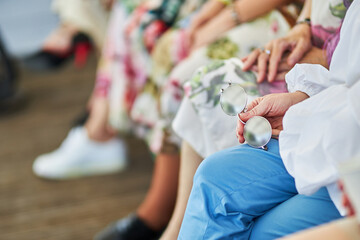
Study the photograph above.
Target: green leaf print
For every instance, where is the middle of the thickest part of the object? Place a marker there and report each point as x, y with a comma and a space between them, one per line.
214, 65
195, 81
222, 48
213, 92
338, 10
246, 76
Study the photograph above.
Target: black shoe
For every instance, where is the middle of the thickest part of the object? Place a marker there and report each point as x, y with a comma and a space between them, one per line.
129, 228
46, 60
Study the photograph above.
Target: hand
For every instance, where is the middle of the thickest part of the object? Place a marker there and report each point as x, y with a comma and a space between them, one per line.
273, 107
297, 42
189, 37
213, 29
314, 55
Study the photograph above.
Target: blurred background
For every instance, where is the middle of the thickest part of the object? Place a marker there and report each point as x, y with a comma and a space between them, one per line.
38, 105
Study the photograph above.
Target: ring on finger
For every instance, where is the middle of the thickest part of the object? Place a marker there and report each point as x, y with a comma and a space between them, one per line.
266, 51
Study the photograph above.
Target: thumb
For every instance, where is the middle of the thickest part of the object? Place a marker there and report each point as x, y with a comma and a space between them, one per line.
247, 115
258, 110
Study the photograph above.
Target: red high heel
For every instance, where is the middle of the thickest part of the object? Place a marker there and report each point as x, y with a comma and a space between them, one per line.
45, 60
82, 49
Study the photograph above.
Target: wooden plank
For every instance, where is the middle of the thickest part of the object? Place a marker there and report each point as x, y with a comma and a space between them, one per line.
33, 208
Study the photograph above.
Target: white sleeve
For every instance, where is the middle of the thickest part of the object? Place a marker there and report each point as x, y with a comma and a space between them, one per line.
308, 78
319, 133
324, 130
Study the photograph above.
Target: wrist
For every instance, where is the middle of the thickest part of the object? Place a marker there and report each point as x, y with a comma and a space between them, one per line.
298, 96
303, 29
195, 23
226, 19
236, 18
306, 21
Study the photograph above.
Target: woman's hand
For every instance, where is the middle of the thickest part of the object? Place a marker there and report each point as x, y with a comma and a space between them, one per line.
189, 37
314, 56
213, 29
297, 42
272, 107
208, 11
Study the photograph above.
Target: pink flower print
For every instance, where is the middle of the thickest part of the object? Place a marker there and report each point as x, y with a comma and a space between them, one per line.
275, 26
175, 83
174, 88
187, 89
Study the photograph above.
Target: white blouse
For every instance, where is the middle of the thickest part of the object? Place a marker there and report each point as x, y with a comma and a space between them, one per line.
324, 130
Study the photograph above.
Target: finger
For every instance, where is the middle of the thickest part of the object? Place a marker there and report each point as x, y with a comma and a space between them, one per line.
298, 52
253, 103
251, 59
254, 68
278, 49
240, 131
283, 66
258, 110
262, 66
280, 76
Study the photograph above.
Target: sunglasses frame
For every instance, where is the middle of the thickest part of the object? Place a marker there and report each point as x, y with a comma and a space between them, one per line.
222, 90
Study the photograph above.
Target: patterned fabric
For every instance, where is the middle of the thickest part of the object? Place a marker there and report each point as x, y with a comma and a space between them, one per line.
125, 66
170, 72
211, 129
145, 90
325, 24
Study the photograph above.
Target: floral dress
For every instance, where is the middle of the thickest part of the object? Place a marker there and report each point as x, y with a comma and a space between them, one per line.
147, 103
200, 120
125, 63
169, 72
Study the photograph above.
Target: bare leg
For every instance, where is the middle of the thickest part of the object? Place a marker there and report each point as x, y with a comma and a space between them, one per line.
190, 161
344, 229
158, 205
97, 125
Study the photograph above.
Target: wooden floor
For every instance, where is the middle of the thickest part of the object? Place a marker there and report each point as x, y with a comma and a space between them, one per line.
32, 208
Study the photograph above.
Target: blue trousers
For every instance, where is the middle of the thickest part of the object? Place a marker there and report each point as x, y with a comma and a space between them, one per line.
246, 193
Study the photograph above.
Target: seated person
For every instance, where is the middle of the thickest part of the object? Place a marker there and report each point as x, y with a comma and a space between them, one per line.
201, 122
248, 193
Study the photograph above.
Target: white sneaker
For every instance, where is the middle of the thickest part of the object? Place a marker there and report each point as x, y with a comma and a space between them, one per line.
79, 156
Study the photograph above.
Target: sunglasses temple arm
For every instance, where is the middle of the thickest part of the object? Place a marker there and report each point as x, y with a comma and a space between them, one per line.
241, 120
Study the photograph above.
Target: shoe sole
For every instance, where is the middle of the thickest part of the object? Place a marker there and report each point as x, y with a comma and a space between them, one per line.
95, 170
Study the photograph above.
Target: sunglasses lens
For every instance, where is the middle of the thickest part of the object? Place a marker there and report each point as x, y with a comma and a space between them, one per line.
233, 100
257, 132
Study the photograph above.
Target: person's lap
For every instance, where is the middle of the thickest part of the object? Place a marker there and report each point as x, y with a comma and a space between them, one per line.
234, 187
298, 213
